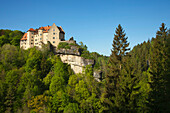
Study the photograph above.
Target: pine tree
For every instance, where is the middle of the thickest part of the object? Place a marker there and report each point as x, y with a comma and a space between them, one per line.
159, 71
119, 51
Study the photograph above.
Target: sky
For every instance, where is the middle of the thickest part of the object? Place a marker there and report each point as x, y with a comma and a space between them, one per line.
91, 21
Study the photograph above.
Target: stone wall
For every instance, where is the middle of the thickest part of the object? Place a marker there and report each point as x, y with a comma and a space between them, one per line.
77, 63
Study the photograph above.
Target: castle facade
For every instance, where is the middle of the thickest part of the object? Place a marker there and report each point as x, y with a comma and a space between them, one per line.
37, 37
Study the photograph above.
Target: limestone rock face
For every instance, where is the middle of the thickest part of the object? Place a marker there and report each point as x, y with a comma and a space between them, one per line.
97, 75
77, 63
72, 51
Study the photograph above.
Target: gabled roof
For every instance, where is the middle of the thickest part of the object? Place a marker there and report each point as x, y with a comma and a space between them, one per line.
31, 29
24, 37
46, 29
61, 29
42, 28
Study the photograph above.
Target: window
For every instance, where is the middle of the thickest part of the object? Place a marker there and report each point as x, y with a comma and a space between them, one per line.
40, 38
35, 39
31, 43
31, 40
32, 33
40, 34
53, 29
53, 41
53, 37
32, 36
53, 33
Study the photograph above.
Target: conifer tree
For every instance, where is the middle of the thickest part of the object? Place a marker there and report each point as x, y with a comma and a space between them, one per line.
119, 51
159, 71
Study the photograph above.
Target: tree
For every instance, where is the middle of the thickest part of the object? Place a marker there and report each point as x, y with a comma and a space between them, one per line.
38, 103
9, 56
72, 108
2, 96
10, 37
159, 71
12, 81
115, 63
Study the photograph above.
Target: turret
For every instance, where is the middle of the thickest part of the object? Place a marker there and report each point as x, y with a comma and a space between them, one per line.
30, 38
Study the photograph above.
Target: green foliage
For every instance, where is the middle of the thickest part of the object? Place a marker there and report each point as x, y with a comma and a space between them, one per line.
10, 37
34, 61
57, 83
47, 79
123, 85
61, 69
2, 96
38, 81
59, 101
114, 75
72, 108
11, 81
11, 57
159, 66
84, 52
63, 45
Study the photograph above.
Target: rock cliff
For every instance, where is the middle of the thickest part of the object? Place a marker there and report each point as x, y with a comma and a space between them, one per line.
77, 62
72, 51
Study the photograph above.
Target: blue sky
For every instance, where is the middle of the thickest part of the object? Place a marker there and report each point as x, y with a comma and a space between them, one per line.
91, 21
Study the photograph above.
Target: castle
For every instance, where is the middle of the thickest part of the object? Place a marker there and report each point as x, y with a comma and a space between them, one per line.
55, 35
37, 37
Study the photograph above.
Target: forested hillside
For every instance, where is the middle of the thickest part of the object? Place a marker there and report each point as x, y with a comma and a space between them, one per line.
136, 80
11, 37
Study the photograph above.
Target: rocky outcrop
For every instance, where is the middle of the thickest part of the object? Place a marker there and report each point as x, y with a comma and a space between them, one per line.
71, 55
97, 75
72, 51
77, 63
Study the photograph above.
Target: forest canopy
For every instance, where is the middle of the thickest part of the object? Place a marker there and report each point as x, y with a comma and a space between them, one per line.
136, 80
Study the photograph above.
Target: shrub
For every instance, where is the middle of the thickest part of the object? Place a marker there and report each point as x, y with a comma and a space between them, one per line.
63, 45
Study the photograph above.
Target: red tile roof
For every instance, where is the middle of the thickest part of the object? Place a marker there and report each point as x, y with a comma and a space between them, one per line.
46, 29
31, 29
24, 37
42, 28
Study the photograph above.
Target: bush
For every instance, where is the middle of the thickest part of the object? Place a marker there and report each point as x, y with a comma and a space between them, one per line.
63, 45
